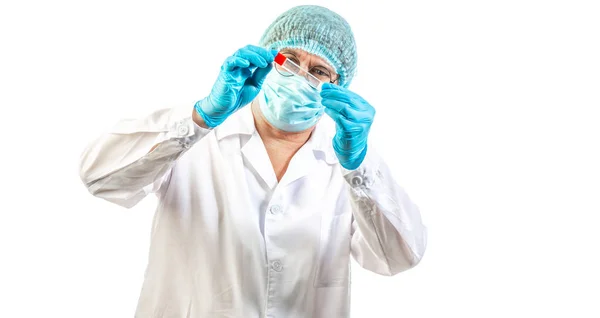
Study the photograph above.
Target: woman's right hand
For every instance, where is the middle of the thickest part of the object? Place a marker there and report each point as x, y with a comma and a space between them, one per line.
238, 83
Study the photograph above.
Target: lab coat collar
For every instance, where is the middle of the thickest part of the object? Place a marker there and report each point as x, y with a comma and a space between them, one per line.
318, 147
239, 123
242, 123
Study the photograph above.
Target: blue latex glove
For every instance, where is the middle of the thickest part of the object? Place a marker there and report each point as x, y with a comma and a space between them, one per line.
353, 117
238, 83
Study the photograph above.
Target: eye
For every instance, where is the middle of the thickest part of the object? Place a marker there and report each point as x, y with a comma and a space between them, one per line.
320, 72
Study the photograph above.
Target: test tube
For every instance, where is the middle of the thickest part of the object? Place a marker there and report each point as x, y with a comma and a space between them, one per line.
294, 68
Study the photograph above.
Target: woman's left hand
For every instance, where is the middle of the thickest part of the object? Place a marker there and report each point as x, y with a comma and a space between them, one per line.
353, 117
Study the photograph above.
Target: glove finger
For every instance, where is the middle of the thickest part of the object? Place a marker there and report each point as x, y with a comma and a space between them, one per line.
333, 104
259, 75
267, 55
350, 128
332, 87
332, 113
245, 73
345, 110
331, 91
234, 62
348, 131
335, 95
252, 57
339, 119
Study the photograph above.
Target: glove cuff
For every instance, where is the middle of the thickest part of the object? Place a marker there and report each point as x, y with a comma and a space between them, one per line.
351, 160
210, 121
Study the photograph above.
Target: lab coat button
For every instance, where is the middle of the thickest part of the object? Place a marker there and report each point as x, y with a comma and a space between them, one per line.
356, 181
275, 209
277, 266
182, 130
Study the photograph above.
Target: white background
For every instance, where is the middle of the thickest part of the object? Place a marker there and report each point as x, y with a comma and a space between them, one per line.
487, 114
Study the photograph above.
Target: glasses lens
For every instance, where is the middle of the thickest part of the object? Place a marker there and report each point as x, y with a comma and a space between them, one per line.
313, 81
322, 74
283, 71
292, 69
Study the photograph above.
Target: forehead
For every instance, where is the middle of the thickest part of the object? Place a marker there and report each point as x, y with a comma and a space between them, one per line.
301, 54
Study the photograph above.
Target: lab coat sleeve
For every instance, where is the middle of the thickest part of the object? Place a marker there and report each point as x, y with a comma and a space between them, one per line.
119, 167
388, 236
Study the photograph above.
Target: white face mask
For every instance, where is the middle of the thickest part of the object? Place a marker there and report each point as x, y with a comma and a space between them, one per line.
290, 103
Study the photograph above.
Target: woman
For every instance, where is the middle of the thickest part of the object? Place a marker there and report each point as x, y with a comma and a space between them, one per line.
260, 206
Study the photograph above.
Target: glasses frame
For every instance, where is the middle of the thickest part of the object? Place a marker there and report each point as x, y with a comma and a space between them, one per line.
281, 61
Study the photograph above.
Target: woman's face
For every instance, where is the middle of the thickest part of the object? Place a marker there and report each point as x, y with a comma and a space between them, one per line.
313, 63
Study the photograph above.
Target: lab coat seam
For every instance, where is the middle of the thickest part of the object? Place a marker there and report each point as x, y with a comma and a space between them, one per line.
136, 162
385, 256
376, 228
166, 181
414, 258
266, 308
163, 136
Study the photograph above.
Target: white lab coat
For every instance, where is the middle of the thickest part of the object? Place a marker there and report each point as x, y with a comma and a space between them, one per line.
228, 240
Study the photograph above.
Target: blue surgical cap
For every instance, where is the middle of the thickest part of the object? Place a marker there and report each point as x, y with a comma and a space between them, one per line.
319, 31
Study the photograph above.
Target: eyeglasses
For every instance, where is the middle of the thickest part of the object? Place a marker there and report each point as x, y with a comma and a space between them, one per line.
287, 65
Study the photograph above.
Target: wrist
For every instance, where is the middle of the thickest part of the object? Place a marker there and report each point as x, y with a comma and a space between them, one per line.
198, 119
202, 117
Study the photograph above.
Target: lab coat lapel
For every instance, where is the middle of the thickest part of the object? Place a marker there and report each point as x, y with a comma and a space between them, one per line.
300, 165
317, 147
255, 152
